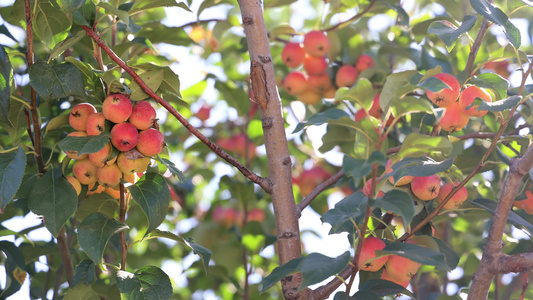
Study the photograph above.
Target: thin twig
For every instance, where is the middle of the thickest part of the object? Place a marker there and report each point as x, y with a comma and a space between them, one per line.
122, 218
475, 47
66, 259
352, 19
262, 182
319, 189
33, 94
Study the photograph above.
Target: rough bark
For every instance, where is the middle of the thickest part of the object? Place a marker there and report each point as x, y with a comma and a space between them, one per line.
492, 259
279, 161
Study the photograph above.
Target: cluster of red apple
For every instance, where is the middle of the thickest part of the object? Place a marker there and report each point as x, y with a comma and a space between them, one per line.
228, 216
397, 269
132, 134
315, 83
457, 112
425, 188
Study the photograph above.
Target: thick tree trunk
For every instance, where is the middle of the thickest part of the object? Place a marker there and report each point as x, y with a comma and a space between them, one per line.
266, 94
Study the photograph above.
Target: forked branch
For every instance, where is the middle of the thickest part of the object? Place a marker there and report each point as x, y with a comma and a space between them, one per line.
262, 182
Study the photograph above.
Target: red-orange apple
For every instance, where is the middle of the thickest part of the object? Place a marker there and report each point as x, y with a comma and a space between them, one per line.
117, 108
315, 65
79, 114
467, 98
295, 83
364, 62
456, 200
368, 251
316, 43
426, 188
151, 142
445, 96
346, 76
293, 55
124, 136
309, 179
85, 171
96, 124
143, 115
453, 119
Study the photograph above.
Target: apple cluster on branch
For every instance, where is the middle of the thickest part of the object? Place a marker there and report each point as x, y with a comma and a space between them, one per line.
135, 139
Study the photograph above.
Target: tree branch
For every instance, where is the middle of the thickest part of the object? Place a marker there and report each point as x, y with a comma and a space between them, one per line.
262, 182
65, 255
265, 91
352, 19
475, 47
319, 189
33, 95
492, 250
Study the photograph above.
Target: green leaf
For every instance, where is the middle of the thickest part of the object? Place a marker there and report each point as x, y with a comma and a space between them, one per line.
234, 96
452, 258
147, 283
85, 144
433, 84
153, 80
172, 168
81, 291
204, 253
314, 268
362, 93
53, 82
418, 166
330, 116
496, 15
410, 104
281, 272
350, 208
54, 198
500, 105
12, 166
395, 86
70, 6
85, 15
416, 253
398, 202
85, 273
56, 122
94, 232
383, 287
101, 203
416, 144
360, 295
513, 218
317, 267
448, 32
360, 168
141, 5
15, 268
50, 24
170, 84
491, 81
153, 196
5, 81
66, 44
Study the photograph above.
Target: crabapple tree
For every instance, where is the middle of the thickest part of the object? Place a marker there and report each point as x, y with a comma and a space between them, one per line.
167, 149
